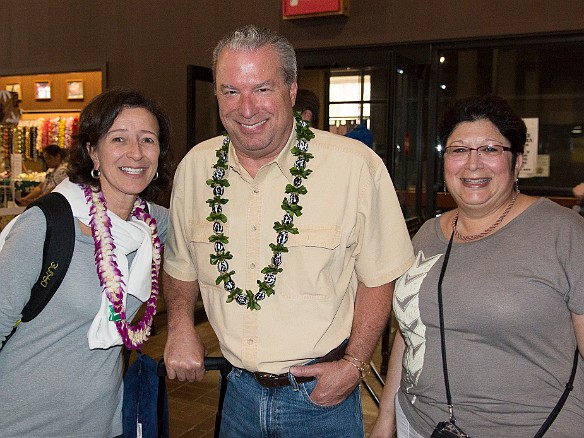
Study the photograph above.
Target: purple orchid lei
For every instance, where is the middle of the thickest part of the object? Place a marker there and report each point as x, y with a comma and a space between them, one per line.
110, 277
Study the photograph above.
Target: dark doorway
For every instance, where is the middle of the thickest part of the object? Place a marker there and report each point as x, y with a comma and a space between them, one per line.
202, 112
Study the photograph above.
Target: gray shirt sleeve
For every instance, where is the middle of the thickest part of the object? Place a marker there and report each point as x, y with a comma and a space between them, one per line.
20, 265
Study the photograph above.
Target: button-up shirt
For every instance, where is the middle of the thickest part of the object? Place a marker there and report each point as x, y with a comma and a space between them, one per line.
351, 230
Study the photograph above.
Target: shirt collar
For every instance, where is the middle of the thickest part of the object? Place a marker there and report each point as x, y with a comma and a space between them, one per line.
285, 159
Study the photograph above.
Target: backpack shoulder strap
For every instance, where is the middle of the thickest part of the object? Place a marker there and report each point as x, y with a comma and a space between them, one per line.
57, 252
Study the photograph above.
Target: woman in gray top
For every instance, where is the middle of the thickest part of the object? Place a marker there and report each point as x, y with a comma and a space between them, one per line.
512, 292
61, 373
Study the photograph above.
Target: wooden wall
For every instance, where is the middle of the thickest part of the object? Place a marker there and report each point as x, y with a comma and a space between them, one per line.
148, 44
59, 100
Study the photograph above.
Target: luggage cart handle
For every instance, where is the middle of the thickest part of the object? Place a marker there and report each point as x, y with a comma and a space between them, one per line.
211, 363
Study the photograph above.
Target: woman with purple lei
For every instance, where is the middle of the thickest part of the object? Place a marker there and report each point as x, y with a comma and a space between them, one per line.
62, 371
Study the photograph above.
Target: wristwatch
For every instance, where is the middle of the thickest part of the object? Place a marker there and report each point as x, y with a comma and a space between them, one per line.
364, 369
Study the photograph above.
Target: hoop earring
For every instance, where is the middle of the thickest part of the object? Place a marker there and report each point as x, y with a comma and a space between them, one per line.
95, 173
155, 176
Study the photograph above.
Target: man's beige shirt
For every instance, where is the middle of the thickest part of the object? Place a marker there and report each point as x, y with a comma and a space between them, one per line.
351, 230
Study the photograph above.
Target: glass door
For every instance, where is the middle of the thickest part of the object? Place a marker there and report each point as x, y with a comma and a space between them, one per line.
383, 107
407, 133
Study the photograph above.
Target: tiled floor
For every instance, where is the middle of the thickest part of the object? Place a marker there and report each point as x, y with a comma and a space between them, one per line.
192, 406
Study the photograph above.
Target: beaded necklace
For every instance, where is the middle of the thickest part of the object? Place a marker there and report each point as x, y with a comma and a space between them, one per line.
488, 230
110, 277
291, 208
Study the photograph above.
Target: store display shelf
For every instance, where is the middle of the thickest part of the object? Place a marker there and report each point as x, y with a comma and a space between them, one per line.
11, 211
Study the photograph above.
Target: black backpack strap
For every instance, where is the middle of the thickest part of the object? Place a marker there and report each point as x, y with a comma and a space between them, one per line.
57, 252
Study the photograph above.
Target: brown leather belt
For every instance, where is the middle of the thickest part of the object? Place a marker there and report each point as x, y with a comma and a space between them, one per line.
280, 380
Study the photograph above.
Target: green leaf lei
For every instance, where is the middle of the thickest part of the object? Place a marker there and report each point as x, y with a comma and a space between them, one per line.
291, 208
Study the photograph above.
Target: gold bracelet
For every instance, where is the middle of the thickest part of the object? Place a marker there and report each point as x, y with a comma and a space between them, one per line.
354, 359
364, 369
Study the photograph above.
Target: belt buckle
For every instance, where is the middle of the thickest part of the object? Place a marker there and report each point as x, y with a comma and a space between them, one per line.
268, 376
269, 380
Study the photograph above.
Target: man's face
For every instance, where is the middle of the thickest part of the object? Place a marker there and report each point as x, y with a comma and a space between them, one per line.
52, 161
255, 105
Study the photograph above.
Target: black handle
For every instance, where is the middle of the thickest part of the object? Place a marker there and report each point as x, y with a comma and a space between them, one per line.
212, 363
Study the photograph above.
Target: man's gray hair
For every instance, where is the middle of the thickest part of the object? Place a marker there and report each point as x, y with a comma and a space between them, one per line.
250, 38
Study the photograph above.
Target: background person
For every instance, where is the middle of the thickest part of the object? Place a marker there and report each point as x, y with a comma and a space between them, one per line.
308, 105
9, 110
513, 293
62, 371
578, 191
280, 289
54, 158
362, 133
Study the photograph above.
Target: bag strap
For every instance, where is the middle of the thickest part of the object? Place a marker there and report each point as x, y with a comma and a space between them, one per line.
160, 405
442, 334
559, 405
57, 252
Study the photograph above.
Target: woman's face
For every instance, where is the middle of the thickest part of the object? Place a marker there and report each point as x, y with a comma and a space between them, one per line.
127, 156
477, 183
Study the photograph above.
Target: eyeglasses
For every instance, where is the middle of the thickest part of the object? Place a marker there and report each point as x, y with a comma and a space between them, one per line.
486, 152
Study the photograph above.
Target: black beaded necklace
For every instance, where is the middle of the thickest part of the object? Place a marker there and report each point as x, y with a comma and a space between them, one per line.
291, 208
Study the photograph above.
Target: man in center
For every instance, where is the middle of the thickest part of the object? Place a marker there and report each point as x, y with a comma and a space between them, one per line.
293, 237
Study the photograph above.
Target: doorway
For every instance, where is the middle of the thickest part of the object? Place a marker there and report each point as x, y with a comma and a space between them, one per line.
203, 120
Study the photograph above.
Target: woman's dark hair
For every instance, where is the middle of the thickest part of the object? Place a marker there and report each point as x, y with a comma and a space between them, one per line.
54, 151
95, 121
492, 108
307, 100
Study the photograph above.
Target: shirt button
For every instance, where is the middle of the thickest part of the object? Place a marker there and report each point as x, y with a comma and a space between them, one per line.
254, 228
250, 341
256, 190
252, 265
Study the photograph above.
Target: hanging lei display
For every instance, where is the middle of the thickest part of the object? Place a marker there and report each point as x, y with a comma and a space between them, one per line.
110, 277
291, 208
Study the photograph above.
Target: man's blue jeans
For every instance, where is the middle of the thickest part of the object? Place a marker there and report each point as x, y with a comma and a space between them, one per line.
250, 410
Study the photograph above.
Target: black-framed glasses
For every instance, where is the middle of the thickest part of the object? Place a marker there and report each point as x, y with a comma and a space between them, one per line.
486, 152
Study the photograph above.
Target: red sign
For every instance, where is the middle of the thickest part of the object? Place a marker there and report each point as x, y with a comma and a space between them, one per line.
314, 8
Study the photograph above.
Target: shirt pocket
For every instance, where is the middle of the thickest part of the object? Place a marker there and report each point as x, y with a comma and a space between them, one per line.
201, 249
312, 263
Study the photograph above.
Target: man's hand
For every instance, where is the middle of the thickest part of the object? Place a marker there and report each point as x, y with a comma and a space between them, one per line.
184, 355
335, 381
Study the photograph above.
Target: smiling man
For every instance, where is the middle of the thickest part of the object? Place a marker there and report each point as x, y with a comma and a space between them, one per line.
294, 237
